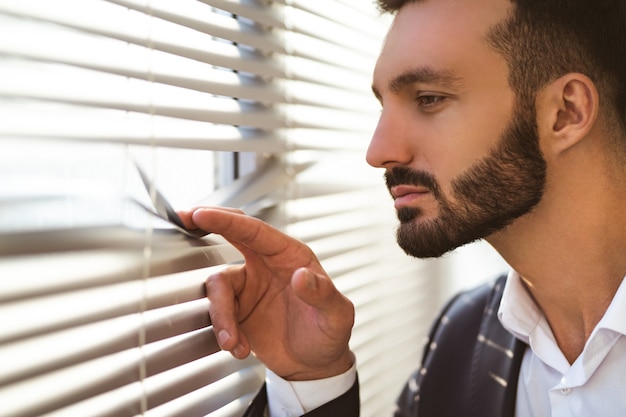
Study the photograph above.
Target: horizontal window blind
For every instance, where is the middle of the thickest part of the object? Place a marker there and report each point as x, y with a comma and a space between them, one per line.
260, 105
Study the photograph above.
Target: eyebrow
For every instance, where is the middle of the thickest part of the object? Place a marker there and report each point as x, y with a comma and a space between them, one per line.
427, 75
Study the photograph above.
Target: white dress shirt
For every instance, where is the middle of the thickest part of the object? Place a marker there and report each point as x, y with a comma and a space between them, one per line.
294, 398
593, 386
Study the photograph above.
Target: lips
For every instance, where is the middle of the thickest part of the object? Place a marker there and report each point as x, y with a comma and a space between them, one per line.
405, 195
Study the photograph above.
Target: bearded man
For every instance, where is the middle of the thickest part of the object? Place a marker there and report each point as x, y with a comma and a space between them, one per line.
502, 120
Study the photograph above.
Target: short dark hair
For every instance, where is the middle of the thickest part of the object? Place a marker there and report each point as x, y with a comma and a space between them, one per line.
543, 40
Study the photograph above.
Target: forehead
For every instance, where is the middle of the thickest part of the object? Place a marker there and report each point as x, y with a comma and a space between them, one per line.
443, 35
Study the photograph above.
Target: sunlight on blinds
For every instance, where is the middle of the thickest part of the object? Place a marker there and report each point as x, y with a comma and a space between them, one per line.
260, 105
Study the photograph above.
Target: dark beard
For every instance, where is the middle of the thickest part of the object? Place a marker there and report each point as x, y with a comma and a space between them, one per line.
488, 196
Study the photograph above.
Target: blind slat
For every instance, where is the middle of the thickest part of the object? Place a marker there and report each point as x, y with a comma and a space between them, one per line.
193, 376
23, 318
323, 226
320, 206
249, 188
128, 60
92, 17
198, 16
122, 239
97, 341
334, 32
320, 50
163, 100
362, 20
91, 378
106, 125
120, 58
206, 400
133, 95
70, 385
255, 10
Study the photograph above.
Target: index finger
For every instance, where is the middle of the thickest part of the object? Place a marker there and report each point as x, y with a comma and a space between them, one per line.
239, 228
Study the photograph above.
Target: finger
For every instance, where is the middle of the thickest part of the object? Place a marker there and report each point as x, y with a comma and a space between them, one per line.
318, 291
187, 219
222, 289
245, 230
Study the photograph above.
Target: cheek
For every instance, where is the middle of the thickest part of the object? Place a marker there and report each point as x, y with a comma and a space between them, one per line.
474, 128
457, 140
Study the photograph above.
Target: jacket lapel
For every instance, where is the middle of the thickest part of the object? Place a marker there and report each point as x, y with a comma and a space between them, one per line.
495, 365
258, 405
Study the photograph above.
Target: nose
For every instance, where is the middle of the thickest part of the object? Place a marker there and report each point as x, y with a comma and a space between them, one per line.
390, 144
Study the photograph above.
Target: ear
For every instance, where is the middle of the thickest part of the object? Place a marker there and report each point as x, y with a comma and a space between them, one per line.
567, 110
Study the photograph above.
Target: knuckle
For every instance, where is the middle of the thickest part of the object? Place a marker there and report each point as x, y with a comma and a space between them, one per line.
220, 280
214, 280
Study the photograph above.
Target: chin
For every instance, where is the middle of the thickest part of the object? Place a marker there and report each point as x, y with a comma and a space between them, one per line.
422, 238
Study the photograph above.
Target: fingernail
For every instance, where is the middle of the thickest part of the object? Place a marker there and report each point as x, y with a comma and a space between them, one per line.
223, 337
238, 351
311, 281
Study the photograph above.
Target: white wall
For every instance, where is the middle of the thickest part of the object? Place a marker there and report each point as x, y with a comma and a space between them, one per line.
468, 267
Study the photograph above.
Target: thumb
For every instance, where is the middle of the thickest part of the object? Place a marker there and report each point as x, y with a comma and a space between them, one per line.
318, 291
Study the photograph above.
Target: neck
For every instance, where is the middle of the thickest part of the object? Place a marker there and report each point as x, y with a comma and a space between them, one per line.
570, 251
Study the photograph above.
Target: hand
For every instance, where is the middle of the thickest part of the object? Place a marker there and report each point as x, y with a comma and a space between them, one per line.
280, 304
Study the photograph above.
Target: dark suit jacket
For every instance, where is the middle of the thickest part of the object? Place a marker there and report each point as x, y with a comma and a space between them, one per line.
470, 366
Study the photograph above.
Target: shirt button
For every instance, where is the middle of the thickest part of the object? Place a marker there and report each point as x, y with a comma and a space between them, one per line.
566, 391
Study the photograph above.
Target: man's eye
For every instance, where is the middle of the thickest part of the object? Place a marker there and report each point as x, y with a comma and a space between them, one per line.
426, 101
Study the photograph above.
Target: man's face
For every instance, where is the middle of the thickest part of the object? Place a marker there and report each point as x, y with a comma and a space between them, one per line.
461, 156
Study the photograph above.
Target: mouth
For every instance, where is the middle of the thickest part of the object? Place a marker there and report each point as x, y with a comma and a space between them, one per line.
407, 195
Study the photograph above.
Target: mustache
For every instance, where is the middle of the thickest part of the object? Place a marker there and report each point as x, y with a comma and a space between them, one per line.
403, 175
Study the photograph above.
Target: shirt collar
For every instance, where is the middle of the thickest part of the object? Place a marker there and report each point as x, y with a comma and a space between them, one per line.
613, 319
521, 316
518, 312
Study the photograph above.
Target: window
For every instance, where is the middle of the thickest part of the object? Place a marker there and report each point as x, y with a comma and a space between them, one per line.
262, 105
